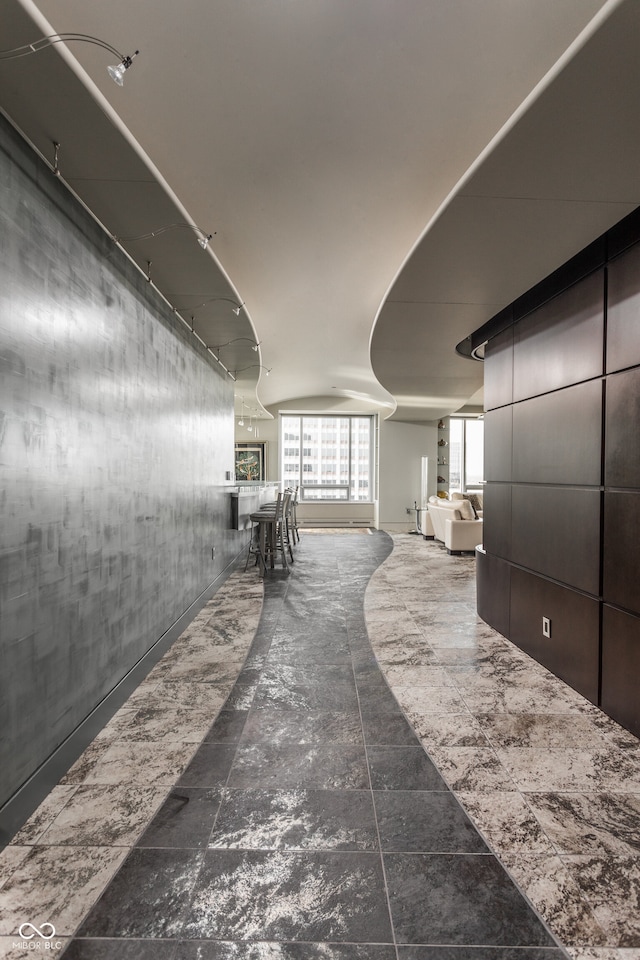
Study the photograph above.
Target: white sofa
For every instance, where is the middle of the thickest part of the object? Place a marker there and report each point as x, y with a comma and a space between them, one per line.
454, 524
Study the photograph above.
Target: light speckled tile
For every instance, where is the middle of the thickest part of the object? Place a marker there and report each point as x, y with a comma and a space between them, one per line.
541, 731
185, 660
419, 701
472, 769
525, 698
401, 675
10, 859
597, 823
118, 724
393, 630
380, 609
603, 953
557, 897
56, 885
579, 771
88, 760
408, 649
169, 723
612, 887
184, 693
507, 822
435, 611
45, 814
104, 816
477, 636
449, 730
146, 762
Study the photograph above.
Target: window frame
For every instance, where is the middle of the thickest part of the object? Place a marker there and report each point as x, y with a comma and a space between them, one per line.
465, 487
306, 491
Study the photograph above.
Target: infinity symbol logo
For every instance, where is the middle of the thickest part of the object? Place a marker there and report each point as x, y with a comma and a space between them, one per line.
41, 932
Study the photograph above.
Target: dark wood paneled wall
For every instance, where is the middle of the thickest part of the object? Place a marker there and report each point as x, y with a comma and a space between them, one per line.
562, 462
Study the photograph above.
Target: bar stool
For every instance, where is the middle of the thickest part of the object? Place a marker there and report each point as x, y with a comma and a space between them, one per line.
293, 516
290, 516
269, 536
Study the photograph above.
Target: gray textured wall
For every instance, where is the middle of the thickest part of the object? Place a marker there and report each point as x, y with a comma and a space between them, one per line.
115, 434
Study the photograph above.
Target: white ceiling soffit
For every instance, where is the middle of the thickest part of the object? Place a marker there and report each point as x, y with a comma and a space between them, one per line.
318, 138
563, 174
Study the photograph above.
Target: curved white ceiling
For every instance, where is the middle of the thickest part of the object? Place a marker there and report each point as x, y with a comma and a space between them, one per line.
319, 138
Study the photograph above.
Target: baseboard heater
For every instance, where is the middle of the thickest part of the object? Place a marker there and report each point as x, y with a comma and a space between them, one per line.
361, 522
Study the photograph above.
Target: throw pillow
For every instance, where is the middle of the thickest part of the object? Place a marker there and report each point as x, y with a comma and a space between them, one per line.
466, 510
476, 502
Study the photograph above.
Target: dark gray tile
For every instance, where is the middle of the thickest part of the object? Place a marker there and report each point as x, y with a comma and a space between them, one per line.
388, 727
269, 950
147, 898
209, 767
371, 683
307, 585
442, 899
121, 950
290, 648
184, 820
313, 696
320, 766
306, 674
367, 669
376, 700
241, 697
403, 768
301, 616
296, 819
316, 896
228, 726
412, 821
280, 725
249, 676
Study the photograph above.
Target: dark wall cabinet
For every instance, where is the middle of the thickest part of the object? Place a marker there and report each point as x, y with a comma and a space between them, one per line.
562, 462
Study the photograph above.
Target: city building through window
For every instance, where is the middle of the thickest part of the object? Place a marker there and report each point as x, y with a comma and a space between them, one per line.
466, 454
329, 458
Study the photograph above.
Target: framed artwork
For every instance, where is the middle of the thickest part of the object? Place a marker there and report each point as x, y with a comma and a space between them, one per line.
251, 461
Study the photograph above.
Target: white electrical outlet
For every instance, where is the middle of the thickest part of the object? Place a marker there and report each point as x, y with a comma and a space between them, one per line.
546, 627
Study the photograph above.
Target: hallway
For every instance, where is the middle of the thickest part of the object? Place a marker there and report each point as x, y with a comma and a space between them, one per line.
308, 821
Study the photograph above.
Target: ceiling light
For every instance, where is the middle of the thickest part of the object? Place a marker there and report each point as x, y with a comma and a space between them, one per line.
116, 73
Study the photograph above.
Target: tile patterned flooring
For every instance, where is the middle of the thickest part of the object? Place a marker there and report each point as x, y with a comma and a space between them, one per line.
263, 796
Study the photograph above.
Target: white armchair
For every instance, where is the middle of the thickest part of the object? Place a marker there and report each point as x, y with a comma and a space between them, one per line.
458, 535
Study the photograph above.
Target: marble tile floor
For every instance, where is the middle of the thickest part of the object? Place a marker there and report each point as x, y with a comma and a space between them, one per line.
550, 782
307, 821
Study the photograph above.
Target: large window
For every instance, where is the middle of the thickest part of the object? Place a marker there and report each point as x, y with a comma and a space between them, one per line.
329, 458
466, 454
